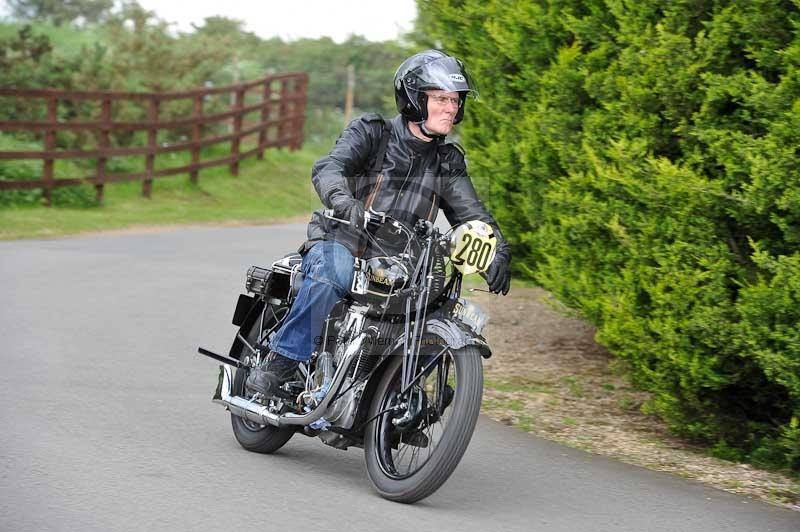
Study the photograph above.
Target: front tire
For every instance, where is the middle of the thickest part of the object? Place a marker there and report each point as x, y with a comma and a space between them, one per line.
263, 439
432, 460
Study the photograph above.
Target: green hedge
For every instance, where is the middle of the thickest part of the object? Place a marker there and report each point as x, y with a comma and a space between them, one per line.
644, 159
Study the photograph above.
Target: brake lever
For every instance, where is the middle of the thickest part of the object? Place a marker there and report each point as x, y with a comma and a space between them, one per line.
328, 213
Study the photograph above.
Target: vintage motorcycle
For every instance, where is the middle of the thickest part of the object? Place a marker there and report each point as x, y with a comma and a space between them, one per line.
397, 369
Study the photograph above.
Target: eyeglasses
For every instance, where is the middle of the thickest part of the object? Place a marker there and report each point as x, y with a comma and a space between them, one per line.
444, 100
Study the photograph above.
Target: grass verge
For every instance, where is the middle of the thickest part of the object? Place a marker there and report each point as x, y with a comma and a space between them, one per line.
276, 188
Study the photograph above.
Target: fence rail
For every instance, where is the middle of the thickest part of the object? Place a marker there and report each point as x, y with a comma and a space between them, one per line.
280, 111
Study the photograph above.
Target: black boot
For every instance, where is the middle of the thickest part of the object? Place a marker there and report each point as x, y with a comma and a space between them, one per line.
275, 371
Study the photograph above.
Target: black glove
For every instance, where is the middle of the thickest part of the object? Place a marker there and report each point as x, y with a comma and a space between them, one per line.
498, 276
350, 209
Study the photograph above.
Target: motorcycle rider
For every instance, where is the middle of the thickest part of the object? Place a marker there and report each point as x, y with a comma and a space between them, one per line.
402, 167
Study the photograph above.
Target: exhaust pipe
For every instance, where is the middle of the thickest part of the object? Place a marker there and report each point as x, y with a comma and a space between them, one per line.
258, 413
239, 406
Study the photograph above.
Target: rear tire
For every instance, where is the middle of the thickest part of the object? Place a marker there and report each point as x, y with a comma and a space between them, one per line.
384, 467
263, 439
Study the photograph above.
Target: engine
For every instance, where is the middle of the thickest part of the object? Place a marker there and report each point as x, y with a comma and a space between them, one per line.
360, 342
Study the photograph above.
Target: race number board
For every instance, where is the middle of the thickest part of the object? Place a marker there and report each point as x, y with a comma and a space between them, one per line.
473, 245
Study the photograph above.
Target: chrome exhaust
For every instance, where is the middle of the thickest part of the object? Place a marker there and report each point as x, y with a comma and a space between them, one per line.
258, 413
239, 406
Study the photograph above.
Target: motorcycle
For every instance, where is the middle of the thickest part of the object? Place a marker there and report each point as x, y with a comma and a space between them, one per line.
397, 370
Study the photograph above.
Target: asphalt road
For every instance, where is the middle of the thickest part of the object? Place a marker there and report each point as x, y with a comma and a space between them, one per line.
107, 422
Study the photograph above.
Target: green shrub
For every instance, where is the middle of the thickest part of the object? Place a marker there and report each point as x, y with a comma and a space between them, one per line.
643, 158
81, 196
19, 170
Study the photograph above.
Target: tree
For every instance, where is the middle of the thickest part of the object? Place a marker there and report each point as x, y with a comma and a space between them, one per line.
61, 12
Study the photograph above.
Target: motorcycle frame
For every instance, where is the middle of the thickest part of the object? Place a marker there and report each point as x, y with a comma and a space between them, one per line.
452, 334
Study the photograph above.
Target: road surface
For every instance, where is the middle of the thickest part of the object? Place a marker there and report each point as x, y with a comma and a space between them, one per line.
107, 422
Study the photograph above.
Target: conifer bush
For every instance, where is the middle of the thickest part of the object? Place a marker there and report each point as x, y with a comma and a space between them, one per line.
644, 160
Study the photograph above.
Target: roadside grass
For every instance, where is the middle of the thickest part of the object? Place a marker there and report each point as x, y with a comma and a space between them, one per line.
276, 188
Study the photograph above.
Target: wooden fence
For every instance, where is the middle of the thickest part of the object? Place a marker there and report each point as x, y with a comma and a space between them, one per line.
280, 108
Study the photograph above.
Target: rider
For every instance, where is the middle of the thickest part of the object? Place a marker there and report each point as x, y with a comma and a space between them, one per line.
416, 174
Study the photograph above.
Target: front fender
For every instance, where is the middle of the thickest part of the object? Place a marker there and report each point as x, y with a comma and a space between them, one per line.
450, 333
444, 329
455, 336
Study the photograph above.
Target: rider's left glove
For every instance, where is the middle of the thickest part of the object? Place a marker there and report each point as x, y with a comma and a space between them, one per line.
498, 276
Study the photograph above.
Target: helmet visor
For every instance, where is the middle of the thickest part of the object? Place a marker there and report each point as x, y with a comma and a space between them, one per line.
447, 74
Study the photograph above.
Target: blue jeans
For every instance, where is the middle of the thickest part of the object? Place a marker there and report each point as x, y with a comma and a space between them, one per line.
328, 274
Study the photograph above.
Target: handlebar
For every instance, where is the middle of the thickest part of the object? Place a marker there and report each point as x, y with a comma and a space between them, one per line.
370, 216
328, 213
422, 229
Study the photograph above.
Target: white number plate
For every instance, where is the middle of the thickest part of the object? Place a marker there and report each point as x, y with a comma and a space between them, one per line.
473, 246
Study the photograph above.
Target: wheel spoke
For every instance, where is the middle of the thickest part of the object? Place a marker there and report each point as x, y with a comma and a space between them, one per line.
400, 453
426, 401
413, 456
428, 432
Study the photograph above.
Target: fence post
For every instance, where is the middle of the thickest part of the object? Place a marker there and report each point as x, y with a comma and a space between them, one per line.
265, 112
237, 130
197, 135
348, 98
283, 113
100, 178
300, 112
275, 130
49, 145
152, 144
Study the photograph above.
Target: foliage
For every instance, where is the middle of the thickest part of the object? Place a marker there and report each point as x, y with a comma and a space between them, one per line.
134, 50
78, 197
268, 190
326, 64
643, 159
19, 171
61, 11
127, 48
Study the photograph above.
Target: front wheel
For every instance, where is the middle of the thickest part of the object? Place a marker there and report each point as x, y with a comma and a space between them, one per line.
250, 435
417, 439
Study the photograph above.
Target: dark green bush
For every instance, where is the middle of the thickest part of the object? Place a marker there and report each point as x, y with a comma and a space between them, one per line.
19, 171
644, 158
82, 196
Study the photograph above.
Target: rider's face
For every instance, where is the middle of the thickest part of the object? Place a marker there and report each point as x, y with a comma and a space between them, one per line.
442, 110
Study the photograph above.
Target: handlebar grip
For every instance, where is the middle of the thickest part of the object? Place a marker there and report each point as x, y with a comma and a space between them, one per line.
328, 213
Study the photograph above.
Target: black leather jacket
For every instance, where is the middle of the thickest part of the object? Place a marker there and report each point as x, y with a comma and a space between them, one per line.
416, 179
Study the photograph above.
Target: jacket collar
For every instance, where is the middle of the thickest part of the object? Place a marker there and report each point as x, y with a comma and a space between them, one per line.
404, 134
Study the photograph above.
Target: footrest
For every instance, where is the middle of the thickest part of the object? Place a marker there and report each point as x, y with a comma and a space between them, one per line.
225, 360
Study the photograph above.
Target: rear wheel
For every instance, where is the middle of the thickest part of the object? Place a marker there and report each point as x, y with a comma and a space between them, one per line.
418, 438
250, 435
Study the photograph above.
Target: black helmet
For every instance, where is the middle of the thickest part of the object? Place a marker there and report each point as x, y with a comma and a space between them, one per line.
430, 70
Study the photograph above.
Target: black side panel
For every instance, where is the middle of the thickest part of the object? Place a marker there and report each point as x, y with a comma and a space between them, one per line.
243, 307
248, 329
